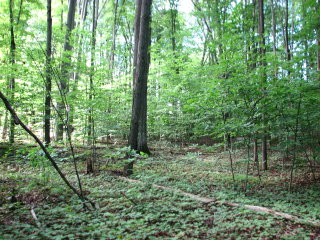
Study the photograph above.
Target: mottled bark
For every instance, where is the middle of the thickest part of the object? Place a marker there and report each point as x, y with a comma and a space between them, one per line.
138, 131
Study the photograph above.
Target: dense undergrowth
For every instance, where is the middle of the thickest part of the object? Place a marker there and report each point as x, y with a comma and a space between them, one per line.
34, 204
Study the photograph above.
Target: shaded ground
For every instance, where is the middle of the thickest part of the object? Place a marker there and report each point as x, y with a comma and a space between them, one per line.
132, 211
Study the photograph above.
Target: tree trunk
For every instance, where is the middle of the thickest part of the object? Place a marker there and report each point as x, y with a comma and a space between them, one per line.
47, 104
138, 131
90, 161
136, 39
114, 34
274, 28
318, 37
286, 33
5, 126
173, 14
83, 6
262, 63
274, 33
255, 151
12, 62
65, 68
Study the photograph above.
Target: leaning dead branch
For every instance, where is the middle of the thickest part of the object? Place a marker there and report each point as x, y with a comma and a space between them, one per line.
17, 121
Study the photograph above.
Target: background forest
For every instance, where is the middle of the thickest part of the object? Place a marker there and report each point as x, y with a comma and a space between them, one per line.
238, 78
215, 73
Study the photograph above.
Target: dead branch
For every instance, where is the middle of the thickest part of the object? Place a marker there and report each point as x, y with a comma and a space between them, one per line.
17, 121
34, 216
208, 200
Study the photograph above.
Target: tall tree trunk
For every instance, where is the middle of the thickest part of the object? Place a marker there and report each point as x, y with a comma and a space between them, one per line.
136, 39
47, 104
114, 35
219, 25
286, 33
262, 63
173, 15
138, 131
12, 62
90, 161
83, 6
305, 40
61, 16
65, 68
318, 37
274, 33
274, 27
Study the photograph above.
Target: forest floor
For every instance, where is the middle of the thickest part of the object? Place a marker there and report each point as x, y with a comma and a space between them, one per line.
35, 204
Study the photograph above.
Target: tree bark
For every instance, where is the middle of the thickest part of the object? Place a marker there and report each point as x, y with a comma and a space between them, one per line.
90, 160
47, 104
274, 28
318, 37
136, 38
286, 32
138, 131
65, 68
114, 35
262, 63
12, 82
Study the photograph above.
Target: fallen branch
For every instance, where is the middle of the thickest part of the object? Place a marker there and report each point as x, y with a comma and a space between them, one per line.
208, 200
17, 121
35, 217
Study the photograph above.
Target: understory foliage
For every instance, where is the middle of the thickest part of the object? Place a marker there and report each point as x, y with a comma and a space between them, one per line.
234, 84
141, 211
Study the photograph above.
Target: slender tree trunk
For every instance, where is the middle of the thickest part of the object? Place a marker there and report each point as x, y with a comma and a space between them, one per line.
76, 74
218, 24
90, 161
274, 33
318, 37
255, 151
274, 27
65, 68
173, 14
61, 16
138, 131
286, 33
136, 39
305, 40
47, 111
114, 35
262, 63
5, 126
12, 82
